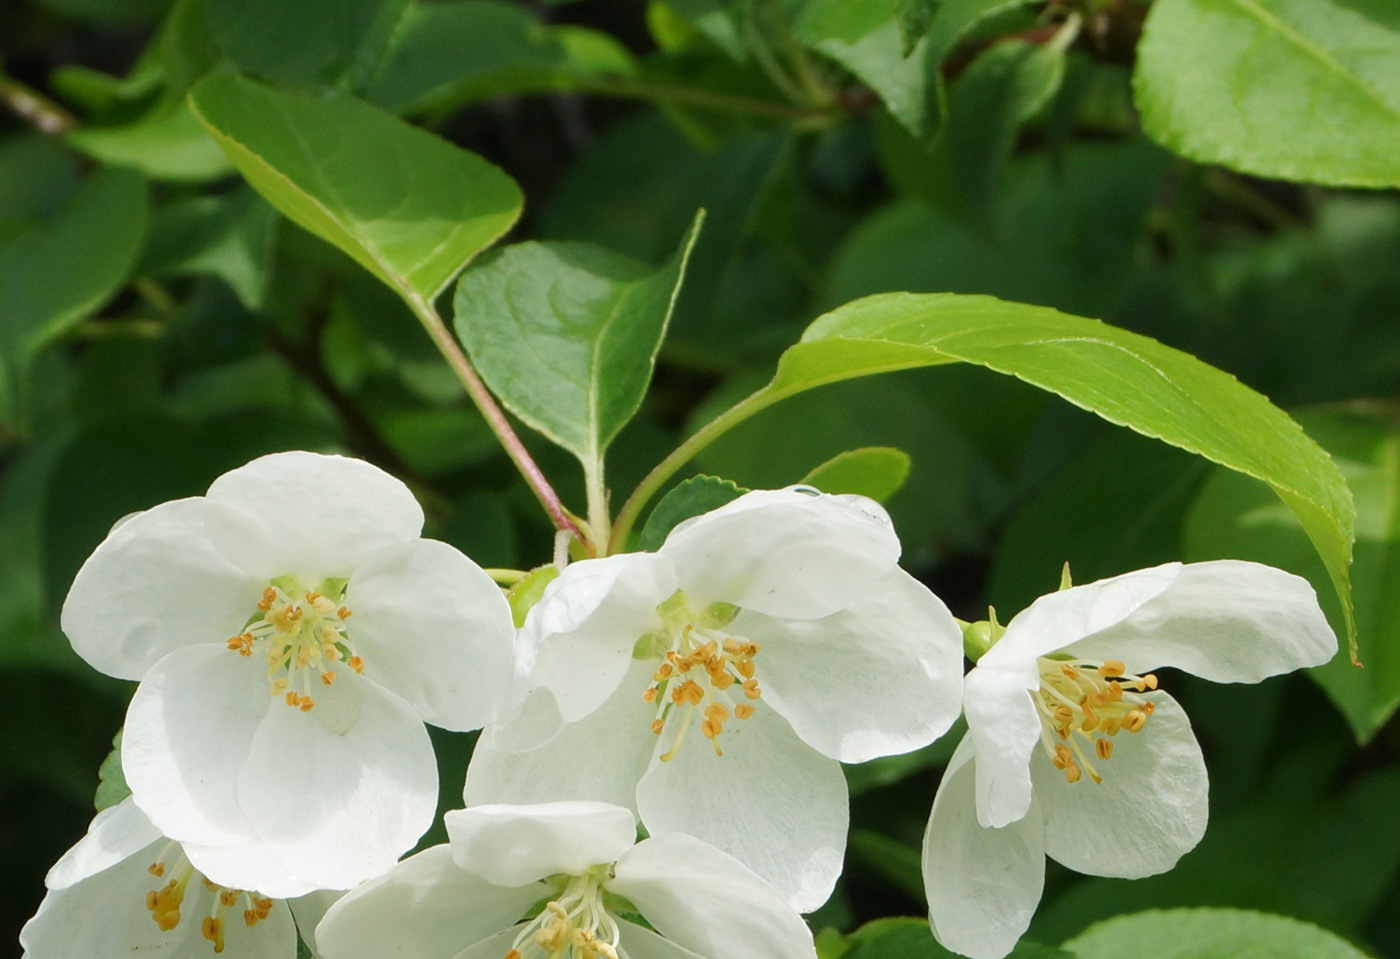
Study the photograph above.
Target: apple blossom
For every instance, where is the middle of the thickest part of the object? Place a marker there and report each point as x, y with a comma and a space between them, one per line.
563, 880
716, 685
278, 738
1073, 752
125, 889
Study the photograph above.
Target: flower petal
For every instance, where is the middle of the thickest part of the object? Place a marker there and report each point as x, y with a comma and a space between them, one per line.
578, 640
771, 801
1227, 621
1056, 620
188, 731
105, 915
709, 902
435, 629
1148, 812
155, 584
513, 845
600, 757
308, 515
983, 884
340, 808
117, 832
248, 864
1003, 722
790, 552
880, 678
493, 948
309, 910
424, 908
639, 942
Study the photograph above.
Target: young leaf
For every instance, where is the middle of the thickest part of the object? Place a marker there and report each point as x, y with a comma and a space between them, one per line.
566, 335
1296, 89
169, 144
697, 495
408, 206
111, 781
1125, 378
1192, 933
1235, 518
875, 471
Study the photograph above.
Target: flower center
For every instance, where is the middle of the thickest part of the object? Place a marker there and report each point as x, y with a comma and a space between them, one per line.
166, 901
575, 925
703, 668
302, 633
1082, 705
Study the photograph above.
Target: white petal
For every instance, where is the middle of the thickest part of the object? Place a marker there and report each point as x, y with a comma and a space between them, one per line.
1004, 724
105, 915
512, 845
340, 808
1148, 812
771, 801
435, 629
1056, 620
785, 552
1227, 621
528, 722
493, 948
578, 639
117, 832
639, 942
248, 864
188, 731
156, 583
983, 884
424, 908
708, 902
308, 515
880, 678
309, 910
600, 757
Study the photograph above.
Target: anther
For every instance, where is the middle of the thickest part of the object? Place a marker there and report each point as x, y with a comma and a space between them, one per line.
1112, 669
1103, 748
751, 689
650, 694
1136, 720
1069, 671
1072, 773
743, 711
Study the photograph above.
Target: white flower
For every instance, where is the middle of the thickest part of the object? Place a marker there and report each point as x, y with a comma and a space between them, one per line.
716, 686
1072, 752
125, 889
576, 863
278, 738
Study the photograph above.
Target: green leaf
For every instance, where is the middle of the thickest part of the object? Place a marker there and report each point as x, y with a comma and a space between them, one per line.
697, 495
914, 18
37, 176
1123, 377
988, 104
409, 207
230, 236
169, 145
448, 54
866, 39
309, 42
908, 938
61, 270
1201, 933
874, 471
951, 22
1231, 518
525, 593
111, 780
566, 335
1295, 89
716, 20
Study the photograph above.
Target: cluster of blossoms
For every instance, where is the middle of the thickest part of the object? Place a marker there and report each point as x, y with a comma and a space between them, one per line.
291, 634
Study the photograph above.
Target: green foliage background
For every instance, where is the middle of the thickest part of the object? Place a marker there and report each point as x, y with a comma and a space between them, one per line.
160, 323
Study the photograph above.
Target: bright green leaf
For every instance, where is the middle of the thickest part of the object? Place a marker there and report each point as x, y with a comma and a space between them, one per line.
1235, 518
445, 55
308, 42
1295, 89
1202, 933
908, 938
168, 146
874, 471
111, 780
566, 335
1123, 377
408, 206
697, 495
525, 593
